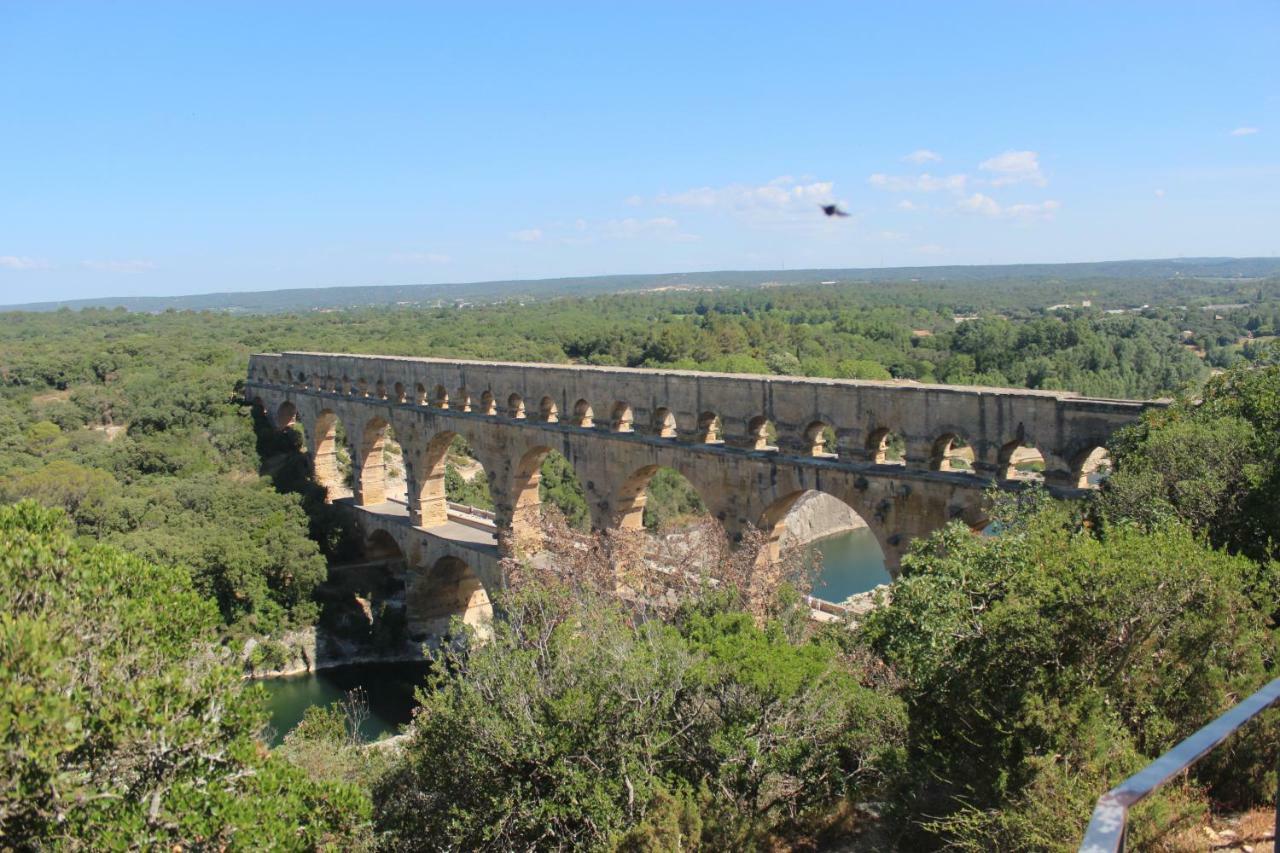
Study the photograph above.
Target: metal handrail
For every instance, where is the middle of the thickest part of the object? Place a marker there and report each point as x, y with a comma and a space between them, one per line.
1108, 826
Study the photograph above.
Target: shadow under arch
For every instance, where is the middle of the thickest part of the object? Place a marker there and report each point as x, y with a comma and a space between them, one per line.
286, 415
450, 588
852, 548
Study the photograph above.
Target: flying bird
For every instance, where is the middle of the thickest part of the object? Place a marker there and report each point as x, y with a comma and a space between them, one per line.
832, 210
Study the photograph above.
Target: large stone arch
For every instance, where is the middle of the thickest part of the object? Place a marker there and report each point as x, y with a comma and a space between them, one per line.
773, 520
323, 436
371, 475
449, 588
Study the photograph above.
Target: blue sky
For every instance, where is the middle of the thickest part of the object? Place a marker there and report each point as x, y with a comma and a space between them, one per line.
184, 147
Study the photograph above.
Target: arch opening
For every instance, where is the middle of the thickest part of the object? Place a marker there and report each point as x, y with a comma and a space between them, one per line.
761, 434
330, 462
488, 404
1021, 461
548, 411
886, 447
449, 589
664, 423
831, 539
515, 407
820, 438
582, 415
544, 477
286, 415
453, 485
951, 452
463, 402
399, 390
1092, 467
658, 499
442, 397
622, 419
420, 394
710, 428
382, 469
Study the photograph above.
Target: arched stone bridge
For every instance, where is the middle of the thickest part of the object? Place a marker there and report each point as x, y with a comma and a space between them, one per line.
751, 445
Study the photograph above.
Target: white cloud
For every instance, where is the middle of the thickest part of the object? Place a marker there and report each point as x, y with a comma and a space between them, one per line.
929, 249
421, 258
923, 183
1042, 210
1014, 167
987, 206
907, 204
1244, 131
635, 200
14, 262
119, 266
1159, 193
528, 235
979, 203
923, 155
782, 194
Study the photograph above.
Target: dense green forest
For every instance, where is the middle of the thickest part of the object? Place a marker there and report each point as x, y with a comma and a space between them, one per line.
1010, 680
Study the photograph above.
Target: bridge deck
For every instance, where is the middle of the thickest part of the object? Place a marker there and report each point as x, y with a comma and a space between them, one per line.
466, 536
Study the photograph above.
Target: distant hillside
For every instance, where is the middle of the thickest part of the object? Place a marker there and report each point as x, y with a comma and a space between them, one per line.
315, 299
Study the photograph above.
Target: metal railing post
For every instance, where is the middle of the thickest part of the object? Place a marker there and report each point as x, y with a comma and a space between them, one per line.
1110, 822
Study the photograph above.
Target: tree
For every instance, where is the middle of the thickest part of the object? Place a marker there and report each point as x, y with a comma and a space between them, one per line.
577, 727
1044, 664
1212, 462
122, 726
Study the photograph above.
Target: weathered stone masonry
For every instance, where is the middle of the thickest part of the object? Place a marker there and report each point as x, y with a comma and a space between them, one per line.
617, 426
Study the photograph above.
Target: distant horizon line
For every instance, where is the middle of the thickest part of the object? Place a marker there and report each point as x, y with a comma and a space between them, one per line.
91, 301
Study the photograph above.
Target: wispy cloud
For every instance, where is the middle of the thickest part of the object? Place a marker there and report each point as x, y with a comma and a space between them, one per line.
782, 194
528, 235
16, 262
922, 183
1244, 131
1159, 193
930, 249
1014, 167
985, 205
119, 266
923, 155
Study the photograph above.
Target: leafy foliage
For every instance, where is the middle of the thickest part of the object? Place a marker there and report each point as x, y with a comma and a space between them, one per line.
595, 731
1213, 462
121, 728
1044, 664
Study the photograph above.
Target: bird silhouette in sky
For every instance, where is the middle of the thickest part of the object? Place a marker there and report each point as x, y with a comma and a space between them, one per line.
832, 210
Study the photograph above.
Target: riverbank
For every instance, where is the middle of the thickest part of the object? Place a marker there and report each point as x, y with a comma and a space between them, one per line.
310, 650
817, 515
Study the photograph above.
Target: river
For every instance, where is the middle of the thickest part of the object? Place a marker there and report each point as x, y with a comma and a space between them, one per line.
388, 687
851, 563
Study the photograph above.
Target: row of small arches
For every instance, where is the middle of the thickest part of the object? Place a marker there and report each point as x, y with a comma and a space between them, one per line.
949, 452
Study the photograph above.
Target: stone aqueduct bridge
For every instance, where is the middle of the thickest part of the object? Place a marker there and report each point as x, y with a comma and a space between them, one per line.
751, 445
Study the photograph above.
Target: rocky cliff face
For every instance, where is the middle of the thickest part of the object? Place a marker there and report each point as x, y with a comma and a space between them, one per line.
817, 515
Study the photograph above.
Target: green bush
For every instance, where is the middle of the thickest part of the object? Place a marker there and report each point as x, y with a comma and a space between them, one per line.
121, 728
599, 731
1043, 665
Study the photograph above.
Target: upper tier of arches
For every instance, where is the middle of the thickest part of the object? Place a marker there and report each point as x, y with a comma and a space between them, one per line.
820, 420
